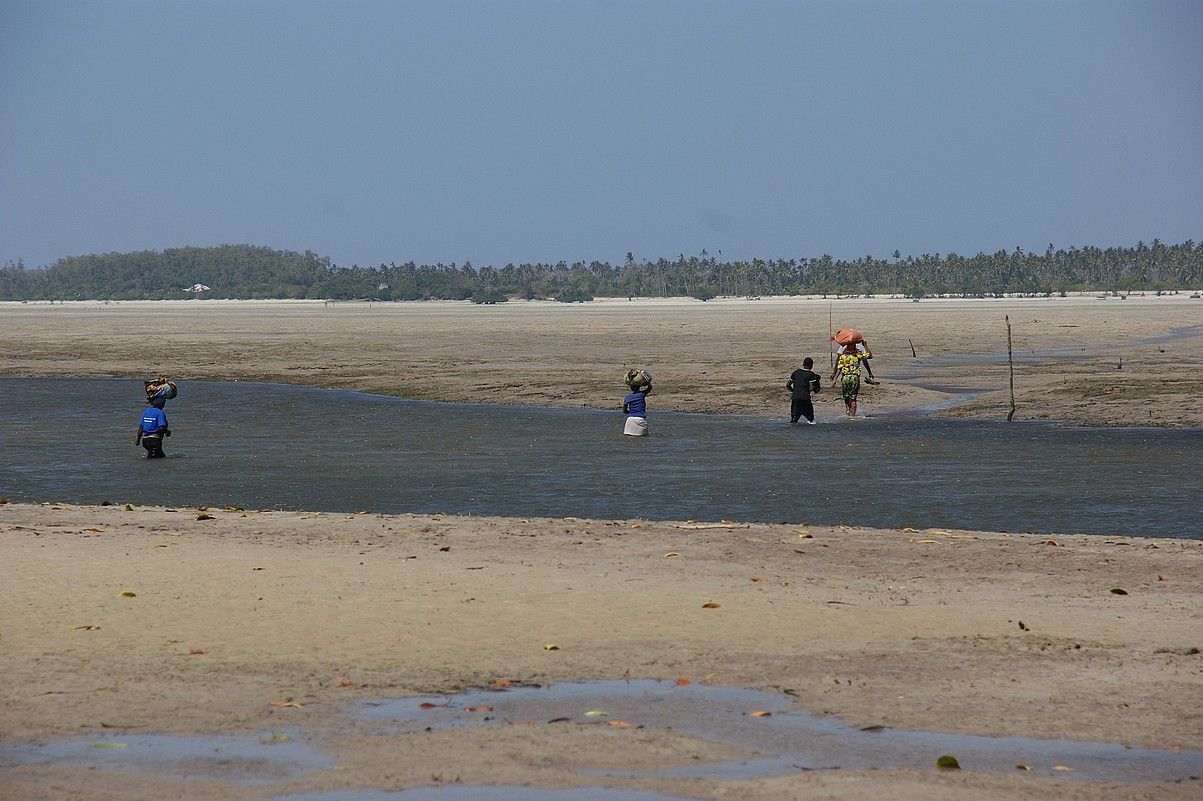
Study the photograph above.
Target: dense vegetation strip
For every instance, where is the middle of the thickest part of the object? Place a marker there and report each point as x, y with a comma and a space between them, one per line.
251, 272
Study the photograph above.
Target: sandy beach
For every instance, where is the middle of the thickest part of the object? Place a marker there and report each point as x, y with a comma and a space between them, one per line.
255, 622
1080, 360
405, 550
118, 622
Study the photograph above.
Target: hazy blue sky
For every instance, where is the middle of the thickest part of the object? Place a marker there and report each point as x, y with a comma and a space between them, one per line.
519, 131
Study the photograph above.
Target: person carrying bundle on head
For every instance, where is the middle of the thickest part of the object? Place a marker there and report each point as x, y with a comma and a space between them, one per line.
851, 338
152, 428
634, 405
847, 367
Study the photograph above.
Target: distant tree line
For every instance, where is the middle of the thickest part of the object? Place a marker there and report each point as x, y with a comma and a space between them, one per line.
251, 272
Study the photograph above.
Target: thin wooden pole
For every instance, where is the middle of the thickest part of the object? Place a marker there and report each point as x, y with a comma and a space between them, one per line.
913, 354
830, 334
1010, 369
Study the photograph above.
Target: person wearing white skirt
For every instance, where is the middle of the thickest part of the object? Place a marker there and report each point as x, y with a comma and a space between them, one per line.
635, 427
634, 405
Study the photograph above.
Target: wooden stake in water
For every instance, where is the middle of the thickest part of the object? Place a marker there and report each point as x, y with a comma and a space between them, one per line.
1010, 369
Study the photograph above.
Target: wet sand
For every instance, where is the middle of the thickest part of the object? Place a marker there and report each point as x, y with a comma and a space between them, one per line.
722, 356
256, 622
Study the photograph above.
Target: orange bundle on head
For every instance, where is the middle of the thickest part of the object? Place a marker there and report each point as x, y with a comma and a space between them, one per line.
848, 336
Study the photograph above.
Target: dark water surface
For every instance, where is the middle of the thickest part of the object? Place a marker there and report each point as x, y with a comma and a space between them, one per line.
285, 447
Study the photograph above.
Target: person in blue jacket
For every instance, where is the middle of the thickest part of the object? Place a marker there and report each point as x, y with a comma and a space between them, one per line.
152, 428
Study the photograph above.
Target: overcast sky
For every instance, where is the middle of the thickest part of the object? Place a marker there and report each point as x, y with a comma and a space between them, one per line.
448, 131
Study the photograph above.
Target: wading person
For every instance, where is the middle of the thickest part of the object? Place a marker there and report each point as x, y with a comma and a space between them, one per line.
851, 339
152, 428
861, 347
847, 368
801, 384
634, 405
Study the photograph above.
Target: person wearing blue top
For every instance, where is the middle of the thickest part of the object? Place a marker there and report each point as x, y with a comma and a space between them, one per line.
151, 430
634, 405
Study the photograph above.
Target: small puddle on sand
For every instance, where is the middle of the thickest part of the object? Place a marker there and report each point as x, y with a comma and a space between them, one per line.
784, 741
249, 760
484, 793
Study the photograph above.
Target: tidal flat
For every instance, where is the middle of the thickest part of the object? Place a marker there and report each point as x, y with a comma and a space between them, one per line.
194, 618
1080, 360
152, 621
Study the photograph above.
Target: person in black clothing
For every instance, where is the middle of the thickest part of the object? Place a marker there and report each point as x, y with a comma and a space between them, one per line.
801, 383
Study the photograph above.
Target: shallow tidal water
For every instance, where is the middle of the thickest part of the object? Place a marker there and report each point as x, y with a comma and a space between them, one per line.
782, 738
468, 792
777, 737
238, 758
284, 447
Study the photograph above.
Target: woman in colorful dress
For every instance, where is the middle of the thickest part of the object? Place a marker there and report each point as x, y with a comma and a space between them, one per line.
847, 368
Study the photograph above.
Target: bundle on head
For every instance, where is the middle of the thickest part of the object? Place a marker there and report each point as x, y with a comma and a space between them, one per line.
848, 336
638, 378
160, 389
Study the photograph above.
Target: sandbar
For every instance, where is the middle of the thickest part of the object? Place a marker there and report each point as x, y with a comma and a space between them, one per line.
1083, 360
256, 622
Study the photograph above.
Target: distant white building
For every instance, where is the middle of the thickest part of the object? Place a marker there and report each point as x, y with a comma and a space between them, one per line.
198, 288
